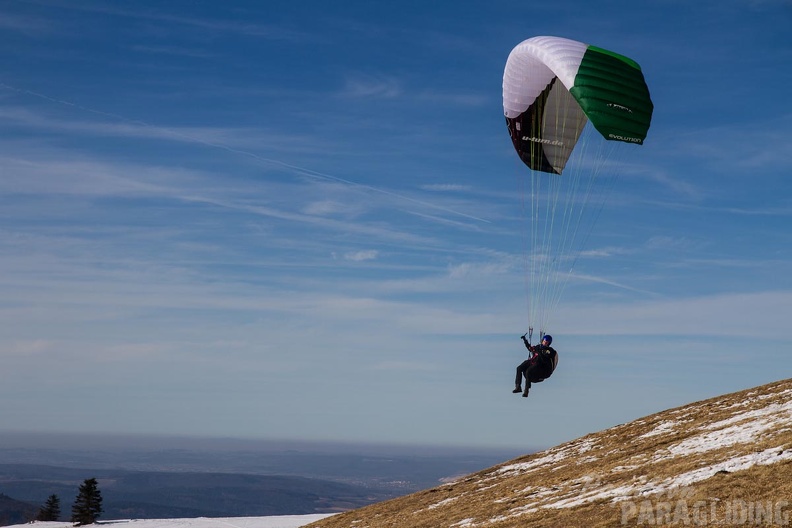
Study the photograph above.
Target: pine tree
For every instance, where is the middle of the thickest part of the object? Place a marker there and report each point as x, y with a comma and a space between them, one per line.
51, 510
88, 504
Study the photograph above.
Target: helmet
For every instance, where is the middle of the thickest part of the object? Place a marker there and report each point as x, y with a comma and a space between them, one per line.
547, 338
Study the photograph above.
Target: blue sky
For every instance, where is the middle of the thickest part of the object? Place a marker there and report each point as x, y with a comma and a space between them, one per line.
302, 220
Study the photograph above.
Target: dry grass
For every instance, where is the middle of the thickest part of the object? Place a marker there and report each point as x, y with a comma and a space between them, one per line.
679, 467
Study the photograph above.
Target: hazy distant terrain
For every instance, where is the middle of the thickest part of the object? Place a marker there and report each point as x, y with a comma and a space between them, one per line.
147, 494
280, 521
13, 511
186, 477
399, 467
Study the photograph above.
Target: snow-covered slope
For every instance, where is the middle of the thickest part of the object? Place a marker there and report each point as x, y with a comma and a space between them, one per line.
723, 460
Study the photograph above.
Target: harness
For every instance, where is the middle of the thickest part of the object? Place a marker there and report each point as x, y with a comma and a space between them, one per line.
548, 359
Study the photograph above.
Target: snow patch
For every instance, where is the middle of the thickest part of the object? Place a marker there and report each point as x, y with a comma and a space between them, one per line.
662, 428
740, 463
442, 503
747, 427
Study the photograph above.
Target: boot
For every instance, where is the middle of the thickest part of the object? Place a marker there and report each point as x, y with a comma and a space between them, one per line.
525, 392
517, 389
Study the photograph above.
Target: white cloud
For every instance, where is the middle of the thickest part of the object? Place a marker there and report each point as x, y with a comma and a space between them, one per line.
372, 86
325, 208
469, 270
728, 315
446, 187
360, 256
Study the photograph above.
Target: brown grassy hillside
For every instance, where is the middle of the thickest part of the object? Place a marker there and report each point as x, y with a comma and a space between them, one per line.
722, 461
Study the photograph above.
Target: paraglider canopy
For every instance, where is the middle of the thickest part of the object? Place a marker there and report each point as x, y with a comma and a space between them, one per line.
553, 85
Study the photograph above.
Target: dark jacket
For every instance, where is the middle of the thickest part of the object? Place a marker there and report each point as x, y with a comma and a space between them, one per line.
543, 360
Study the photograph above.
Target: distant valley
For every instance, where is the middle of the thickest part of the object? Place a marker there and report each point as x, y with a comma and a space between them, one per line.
146, 495
218, 478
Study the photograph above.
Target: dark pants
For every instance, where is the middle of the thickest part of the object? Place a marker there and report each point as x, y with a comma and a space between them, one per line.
524, 369
532, 370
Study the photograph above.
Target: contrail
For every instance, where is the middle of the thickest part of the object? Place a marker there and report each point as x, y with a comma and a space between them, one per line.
221, 146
